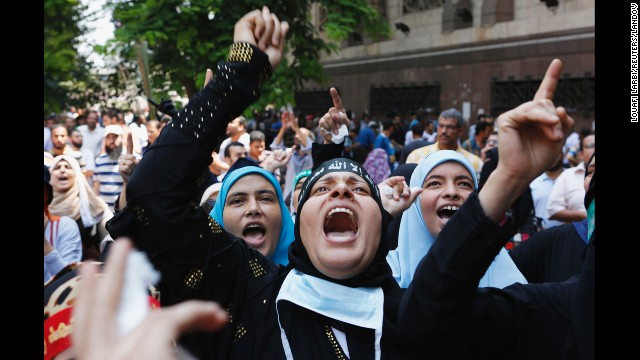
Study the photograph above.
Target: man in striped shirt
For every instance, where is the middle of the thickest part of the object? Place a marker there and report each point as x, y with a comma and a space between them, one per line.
107, 182
450, 126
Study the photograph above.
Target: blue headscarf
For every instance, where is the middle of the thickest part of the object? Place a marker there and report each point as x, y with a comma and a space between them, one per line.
286, 231
301, 175
415, 240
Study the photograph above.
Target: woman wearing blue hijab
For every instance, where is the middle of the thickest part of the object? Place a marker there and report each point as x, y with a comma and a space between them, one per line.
250, 206
447, 179
297, 185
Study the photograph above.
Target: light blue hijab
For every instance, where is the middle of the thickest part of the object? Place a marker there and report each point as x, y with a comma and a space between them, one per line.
280, 256
414, 239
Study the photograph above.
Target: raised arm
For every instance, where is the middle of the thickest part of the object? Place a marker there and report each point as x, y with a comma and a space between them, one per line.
162, 216
329, 124
443, 303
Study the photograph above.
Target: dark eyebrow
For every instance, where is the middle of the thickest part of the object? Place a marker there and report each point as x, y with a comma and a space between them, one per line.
266, 191
260, 192
464, 177
433, 176
237, 194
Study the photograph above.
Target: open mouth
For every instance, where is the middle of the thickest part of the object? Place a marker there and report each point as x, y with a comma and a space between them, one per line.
446, 212
254, 234
340, 225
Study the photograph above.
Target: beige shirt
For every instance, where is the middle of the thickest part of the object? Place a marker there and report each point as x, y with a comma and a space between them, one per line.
568, 191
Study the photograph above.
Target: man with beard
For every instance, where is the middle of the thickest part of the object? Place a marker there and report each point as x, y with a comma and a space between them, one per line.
107, 182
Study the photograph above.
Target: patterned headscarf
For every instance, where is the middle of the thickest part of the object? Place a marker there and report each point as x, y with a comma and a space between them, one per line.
377, 165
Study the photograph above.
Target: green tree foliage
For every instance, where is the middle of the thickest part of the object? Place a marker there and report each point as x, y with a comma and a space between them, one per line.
186, 37
62, 64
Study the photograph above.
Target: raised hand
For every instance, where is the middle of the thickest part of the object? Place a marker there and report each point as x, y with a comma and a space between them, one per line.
95, 334
530, 138
286, 119
334, 118
128, 161
532, 134
277, 158
294, 122
396, 195
263, 29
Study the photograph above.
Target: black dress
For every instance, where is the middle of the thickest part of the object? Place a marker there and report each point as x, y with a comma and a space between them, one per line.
553, 254
532, 321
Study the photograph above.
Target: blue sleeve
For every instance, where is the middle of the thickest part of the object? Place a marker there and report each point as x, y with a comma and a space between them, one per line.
67, 246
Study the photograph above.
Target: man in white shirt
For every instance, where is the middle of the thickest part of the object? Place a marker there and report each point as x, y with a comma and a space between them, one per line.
236, 131
540, 191
92, 134
566, 201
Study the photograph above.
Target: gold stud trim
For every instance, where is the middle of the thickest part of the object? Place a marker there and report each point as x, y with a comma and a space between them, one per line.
229, 309
241, 52
141, 216
194, 278
240, 332
214, 226
257, 269
334, 343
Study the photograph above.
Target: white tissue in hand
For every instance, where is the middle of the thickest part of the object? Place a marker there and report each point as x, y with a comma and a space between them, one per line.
134, 301
342, 133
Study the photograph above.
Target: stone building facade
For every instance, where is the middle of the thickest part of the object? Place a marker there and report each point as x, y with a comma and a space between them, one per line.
477, 56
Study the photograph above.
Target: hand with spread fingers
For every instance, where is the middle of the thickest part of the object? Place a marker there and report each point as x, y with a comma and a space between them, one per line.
95, 334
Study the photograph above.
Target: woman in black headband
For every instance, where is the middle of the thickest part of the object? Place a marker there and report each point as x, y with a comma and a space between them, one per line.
336, 298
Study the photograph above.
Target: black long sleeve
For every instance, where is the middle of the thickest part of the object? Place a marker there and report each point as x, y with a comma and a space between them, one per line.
162, 216
324, 152
445, 311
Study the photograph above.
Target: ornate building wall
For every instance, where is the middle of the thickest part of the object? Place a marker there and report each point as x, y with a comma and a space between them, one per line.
471, 51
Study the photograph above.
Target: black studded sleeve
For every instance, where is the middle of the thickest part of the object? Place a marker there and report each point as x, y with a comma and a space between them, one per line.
162, 191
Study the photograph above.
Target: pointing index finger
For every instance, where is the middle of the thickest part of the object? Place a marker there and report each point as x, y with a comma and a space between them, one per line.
550, 81
130, 143
337, 102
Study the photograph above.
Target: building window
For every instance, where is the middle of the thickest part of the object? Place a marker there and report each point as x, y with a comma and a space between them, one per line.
574, 94
412, 6
495, 11
457, 15
313, 102
404, 100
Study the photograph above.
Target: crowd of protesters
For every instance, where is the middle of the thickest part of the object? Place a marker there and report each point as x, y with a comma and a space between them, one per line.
291, 235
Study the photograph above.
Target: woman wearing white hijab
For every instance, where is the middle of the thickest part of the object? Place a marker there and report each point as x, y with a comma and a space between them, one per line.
447, 179
73, 197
